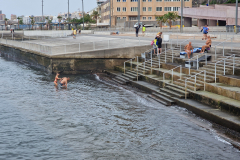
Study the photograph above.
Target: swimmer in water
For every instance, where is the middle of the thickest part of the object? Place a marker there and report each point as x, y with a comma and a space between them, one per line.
63, 81
56, 79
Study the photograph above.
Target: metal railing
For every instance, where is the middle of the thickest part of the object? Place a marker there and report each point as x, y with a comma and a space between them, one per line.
195, 82
223, 46
224, 66
130, 63
172, 74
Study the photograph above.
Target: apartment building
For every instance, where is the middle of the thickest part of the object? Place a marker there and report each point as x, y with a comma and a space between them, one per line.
149, 9
13, 17
2, 17
105, 12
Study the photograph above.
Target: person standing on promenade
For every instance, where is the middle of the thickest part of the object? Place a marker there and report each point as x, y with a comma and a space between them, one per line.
159, 44
188, 49
79, 31
74, 33
56, 79
208, 44
205, 30
137, 29
143, 30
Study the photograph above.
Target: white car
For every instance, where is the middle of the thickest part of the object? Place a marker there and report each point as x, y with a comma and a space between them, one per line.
135, 25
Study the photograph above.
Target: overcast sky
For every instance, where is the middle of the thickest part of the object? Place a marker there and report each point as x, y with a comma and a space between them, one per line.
51, 7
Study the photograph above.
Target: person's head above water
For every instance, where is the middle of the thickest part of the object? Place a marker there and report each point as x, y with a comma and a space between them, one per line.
58, 74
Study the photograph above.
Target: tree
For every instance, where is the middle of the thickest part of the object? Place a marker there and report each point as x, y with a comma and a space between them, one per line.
59, 20
32, 21
171, 16
95, 15
160, 20
49, 21
18, 21
6, 23
21, 22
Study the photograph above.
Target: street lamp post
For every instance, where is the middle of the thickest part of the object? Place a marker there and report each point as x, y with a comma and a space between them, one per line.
68, 17
83, 14
138, 12
236, 20
181, 27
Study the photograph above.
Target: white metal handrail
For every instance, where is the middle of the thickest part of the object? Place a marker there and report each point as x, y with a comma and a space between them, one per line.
195, 82
223, 46
224, 65
127, 61
172, 74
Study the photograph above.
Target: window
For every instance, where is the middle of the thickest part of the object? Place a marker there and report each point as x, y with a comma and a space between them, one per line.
134, 9
149, 0
158, 9
124, 0
144, 0
177, 0
124, 9
144, 9
134, 0
144, 18
175, 8
118, 9
118, 0
159, 0
149, 18
118, 17
124, 17
149, 9
167, 0
186, 0
167, 8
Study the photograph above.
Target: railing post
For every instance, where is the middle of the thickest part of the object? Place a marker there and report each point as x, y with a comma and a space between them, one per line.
163, 80
189, 65
172, 76
144, 68
165, 53
185, 89
223, 48
204, 80
79, 47
231, 43
124, 67
195, 83
159, 62
197, 62
131, 64
224, 67
215, 72
233, 63
206, 58
151, 61
177, 41
215, 53
137, 72
180, 72
172, 55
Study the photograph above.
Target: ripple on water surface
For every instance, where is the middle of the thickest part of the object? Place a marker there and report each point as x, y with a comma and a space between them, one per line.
93, 120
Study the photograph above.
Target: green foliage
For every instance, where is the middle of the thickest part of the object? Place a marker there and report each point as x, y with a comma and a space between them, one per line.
21, 21
161, 19
232, 1
171, 16
87, 19
95, 15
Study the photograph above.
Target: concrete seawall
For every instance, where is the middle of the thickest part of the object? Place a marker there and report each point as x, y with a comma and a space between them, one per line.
74, 63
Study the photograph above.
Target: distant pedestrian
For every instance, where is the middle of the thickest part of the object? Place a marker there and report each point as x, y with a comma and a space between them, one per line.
79, 31
137, 29
11, 30
74, 33
143, 29
159, 44
205, 30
